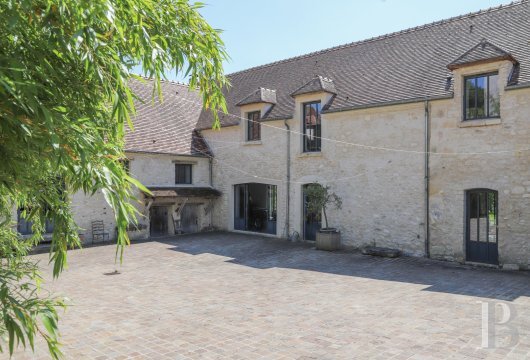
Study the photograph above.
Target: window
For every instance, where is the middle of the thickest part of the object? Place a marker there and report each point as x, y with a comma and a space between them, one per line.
272, 202
126, 165
481, 97
182, 173
24, 226
253, 126
255, 207
312, 131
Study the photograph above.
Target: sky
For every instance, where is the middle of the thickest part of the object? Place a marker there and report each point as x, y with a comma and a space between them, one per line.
259, 32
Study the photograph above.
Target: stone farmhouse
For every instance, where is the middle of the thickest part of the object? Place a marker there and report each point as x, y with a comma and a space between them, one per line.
423, 133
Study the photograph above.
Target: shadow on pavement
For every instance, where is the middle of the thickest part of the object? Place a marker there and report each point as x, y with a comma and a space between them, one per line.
265, 253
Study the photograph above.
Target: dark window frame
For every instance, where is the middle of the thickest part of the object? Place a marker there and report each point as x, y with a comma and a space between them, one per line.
183, 179
314, 145
126, 163
487, 103
24, 226
249, 214
254, 126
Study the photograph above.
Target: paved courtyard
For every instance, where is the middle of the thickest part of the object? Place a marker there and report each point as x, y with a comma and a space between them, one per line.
228, 296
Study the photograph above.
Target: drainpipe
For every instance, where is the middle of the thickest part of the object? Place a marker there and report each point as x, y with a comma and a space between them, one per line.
210, 161
287, 199
210, 202
427, 176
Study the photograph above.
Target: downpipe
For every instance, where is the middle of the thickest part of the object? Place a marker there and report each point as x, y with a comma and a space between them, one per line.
288, 197
427, 177
210, 161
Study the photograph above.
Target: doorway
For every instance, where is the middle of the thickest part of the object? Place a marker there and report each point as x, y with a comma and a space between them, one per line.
190, 218
312, 221
255, 207
482, 226
159, 220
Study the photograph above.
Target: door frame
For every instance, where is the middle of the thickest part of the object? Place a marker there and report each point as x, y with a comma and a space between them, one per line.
187, 208
303, 197
269, 225
159, 207
244, 202
494, 260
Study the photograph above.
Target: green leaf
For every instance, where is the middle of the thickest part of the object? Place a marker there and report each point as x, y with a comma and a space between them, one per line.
65, 88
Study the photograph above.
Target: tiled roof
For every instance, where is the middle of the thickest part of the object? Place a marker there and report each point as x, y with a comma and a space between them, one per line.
403, 66
317, 84
261, 95
168, 126
483, 52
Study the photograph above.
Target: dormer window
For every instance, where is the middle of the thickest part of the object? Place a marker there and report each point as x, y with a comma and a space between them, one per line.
481, 96
312, 127
253, 126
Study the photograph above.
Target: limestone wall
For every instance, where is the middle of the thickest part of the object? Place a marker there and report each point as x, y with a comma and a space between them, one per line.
382, 191
507, 172
374, 159
150, 170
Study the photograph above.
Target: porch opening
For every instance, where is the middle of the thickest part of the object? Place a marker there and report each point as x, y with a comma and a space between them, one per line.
255, 207
159, 220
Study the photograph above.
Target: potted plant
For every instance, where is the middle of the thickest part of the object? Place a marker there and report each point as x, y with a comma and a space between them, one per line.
319, 199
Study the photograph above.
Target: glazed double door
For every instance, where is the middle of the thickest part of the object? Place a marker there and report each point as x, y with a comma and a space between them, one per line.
482, 243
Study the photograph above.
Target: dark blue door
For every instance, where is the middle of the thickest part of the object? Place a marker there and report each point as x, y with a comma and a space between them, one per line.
482, 226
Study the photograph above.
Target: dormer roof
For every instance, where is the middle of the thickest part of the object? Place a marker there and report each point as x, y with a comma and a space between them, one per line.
260, 95
483, 52
317, 84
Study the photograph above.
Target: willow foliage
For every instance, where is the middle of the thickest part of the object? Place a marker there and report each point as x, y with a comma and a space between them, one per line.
64, 105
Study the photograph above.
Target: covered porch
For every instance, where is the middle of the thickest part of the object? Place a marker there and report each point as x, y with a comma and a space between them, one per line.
179, 210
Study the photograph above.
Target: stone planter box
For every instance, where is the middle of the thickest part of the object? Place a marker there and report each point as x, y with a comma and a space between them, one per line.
328, 240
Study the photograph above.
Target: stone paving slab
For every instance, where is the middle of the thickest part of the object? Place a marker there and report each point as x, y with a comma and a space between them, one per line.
232, 296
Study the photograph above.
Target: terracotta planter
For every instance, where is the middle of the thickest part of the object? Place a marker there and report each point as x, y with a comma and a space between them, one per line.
328, 239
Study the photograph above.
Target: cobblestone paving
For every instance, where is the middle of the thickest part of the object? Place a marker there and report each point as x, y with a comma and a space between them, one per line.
227, 296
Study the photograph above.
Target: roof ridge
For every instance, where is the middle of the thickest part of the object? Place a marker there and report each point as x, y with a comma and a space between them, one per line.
174, 82
385, 36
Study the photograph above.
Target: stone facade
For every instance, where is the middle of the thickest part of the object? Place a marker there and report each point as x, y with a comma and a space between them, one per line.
374, 185
159, 171
391, 123
374, 159
508, 172
152, 170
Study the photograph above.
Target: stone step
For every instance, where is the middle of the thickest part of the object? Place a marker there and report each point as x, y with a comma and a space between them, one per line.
381, 251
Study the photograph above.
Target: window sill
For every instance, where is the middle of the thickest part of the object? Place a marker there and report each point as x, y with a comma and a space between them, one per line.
479, 122
310, 154
252, 142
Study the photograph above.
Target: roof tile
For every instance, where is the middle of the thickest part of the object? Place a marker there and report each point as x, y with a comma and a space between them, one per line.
410, 64
165, 126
